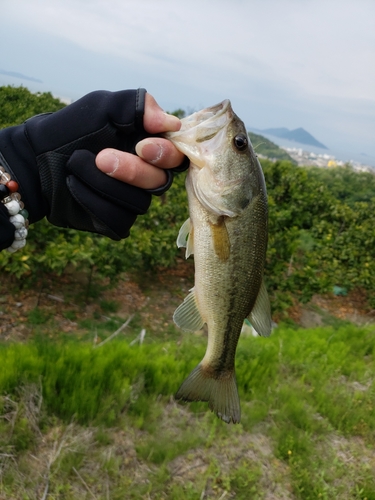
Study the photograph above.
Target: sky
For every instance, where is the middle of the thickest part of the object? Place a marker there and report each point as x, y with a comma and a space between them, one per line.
282, 63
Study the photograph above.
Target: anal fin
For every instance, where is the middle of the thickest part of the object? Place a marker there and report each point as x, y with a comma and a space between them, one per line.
260, 316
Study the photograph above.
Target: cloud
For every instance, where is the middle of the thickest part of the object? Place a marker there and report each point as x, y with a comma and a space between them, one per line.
19, 75
282, 62
316, 46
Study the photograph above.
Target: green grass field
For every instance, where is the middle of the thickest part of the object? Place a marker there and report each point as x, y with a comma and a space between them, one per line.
79, 421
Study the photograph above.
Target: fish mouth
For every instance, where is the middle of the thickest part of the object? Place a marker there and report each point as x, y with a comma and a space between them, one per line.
194, 137
215, 117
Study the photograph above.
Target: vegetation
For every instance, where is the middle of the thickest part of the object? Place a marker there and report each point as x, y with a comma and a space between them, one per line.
17, 104
318, 237
152, 243
76, 418
345, 184
51, 249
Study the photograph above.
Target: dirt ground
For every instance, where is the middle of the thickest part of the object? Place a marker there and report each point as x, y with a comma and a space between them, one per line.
352, 307
72, 298
154, 297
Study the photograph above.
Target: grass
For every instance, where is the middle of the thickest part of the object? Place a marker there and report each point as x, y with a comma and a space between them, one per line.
101, 421
79, 420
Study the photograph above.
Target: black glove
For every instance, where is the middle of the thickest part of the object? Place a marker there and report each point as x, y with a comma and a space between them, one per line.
52, 157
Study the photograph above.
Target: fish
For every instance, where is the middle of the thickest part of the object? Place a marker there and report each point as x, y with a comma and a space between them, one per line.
227, 232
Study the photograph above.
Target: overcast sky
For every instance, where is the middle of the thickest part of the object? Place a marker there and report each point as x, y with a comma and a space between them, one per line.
291, 63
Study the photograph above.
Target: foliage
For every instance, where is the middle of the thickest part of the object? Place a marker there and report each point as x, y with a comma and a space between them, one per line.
17, 104
98, 383
316, 240
346, 184
265, 147
79, 421
180, 113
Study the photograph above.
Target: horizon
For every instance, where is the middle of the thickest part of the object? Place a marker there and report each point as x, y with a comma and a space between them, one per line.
339, 154
346, 156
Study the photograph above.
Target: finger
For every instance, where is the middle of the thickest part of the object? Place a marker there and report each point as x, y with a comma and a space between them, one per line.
159, 152
131, 169
155, 120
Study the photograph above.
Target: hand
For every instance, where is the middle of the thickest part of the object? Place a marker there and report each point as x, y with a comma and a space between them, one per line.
53, 159
154, 153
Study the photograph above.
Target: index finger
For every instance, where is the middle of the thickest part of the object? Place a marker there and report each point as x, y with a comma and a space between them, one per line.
159, 152
131, 169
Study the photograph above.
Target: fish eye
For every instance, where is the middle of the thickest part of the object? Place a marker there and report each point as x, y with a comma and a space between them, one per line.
240, 142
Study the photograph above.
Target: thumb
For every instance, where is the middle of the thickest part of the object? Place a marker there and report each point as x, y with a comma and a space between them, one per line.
156, 121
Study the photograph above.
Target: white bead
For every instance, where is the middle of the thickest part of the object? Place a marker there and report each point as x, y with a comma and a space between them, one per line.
17, 244
18, 221
20, 234
13, 207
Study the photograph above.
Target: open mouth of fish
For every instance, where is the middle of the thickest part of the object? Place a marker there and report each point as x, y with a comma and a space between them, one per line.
215, 117
203, 132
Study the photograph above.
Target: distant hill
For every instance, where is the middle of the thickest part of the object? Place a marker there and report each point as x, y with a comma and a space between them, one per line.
298, 135
268, 148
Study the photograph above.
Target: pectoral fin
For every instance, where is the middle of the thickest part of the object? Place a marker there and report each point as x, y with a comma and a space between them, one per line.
260, 316
220, 239
185, 238
187, 315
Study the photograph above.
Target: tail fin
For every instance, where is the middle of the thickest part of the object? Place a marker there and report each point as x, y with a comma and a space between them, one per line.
220, 393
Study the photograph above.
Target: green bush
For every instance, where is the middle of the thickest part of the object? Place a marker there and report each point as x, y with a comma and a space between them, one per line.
17, 104
317, 239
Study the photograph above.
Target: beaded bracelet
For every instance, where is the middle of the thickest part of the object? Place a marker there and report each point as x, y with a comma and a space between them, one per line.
11, 198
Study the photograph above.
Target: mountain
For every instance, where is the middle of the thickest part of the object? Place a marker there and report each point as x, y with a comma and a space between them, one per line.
298, 135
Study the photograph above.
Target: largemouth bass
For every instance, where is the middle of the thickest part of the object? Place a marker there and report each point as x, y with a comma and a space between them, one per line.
227, 233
